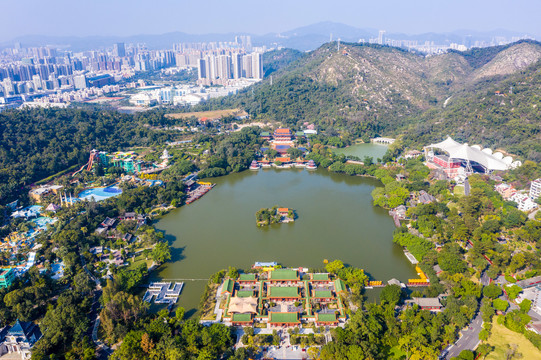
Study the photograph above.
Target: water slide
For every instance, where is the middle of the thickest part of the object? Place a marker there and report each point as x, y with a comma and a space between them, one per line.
90, 163
81, 169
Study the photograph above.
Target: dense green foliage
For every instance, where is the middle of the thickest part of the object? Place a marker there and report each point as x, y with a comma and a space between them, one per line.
38, 143
277, 59
230, 153
496, 113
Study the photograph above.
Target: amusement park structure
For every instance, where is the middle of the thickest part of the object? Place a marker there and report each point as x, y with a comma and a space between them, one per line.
126, 160
461, 159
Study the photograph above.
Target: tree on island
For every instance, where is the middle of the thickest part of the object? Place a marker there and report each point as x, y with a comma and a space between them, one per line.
264, 217
270, 216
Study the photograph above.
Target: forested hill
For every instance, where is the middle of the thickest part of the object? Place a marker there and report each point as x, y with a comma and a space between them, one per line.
505, 114
380, 89
35, 144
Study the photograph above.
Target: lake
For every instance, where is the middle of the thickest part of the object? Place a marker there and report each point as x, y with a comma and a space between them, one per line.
336, 220
361, 150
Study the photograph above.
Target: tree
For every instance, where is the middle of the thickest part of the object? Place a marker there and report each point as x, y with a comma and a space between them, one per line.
391, 294
161, 253
294, 153
513, 291
179, 314
484, 349
249, 330
233, 273
492, 291
525, 305
334, 266
500, 305
466, 355
512, 352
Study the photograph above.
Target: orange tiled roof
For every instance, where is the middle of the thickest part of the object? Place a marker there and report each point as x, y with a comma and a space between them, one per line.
281, 210
283, 131
283, 159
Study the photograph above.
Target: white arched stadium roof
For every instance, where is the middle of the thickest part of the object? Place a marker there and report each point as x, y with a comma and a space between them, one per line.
465, 152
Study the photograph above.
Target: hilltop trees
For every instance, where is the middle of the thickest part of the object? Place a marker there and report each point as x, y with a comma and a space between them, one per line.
37, 143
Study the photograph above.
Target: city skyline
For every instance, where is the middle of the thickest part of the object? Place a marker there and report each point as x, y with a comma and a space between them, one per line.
128, 18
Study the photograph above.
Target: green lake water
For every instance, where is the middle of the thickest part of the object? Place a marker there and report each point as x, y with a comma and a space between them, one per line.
336, 220
361, 150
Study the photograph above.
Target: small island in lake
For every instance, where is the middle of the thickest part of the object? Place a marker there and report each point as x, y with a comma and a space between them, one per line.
275, 215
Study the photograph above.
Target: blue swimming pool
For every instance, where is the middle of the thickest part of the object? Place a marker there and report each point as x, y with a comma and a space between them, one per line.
99, 194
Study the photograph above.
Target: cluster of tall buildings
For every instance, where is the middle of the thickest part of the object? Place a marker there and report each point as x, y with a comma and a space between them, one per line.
431, 47
221, 62
31, 71
219, 69
38, 70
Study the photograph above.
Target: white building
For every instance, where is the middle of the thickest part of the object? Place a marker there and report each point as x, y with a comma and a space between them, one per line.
535, 189
19, 339
142, 99
524, 202
189, 99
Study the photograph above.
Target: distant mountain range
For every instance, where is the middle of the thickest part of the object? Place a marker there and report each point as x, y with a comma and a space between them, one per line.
303, 38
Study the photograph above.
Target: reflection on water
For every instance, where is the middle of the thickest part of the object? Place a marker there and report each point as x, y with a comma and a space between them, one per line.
336, 220
361, 150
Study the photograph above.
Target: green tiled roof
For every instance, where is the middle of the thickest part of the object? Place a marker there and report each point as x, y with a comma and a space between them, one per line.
288, 318
265, 133
284, 274
299, 133
229, 285
241, 317
326, 317
339, 285
322, 294
244, 293
247, 277
320, 277
284, 292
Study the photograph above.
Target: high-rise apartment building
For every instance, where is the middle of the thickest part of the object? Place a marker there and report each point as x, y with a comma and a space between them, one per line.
257, 66
381, 37
119, 50
79, 81
535, 189
236, 64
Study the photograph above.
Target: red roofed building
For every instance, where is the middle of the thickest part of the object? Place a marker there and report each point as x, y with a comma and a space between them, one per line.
283, 211
282, 134
283, 160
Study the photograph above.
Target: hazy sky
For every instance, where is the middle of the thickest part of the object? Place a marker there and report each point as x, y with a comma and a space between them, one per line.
130, 17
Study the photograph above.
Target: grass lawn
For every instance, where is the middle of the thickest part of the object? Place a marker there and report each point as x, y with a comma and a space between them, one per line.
138, 261
459, 190
214, 114
501, 336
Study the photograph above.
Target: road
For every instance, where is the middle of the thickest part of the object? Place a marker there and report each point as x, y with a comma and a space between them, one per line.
102, 350
469, 339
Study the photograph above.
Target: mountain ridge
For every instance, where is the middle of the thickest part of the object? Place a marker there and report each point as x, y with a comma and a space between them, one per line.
368, 90
308, 37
